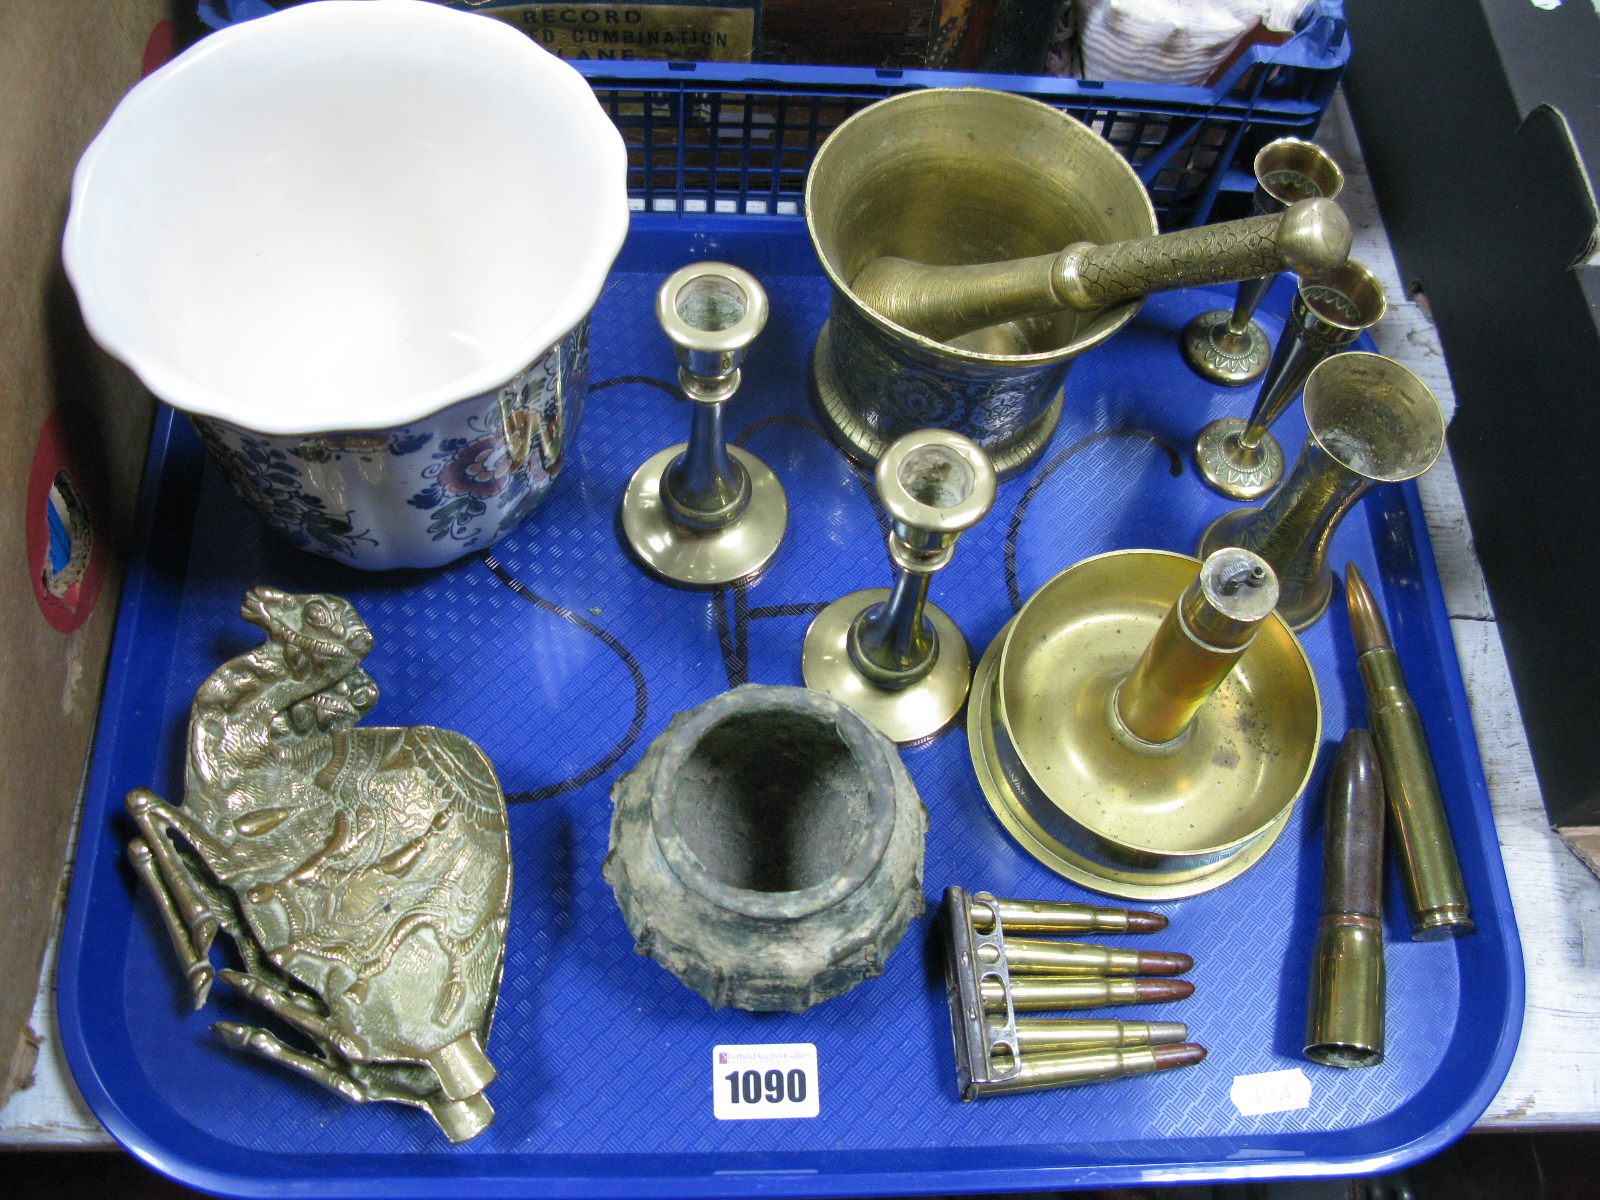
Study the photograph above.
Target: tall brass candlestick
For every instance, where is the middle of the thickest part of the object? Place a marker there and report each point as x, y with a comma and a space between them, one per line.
1241, 459
889, 654
1371, 421
704, 513
1430, 874
1228, 347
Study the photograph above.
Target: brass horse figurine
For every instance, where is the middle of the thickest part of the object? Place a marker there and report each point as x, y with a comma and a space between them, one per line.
363, 873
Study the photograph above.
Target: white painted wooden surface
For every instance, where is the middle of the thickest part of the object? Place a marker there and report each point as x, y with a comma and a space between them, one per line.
1555, 1079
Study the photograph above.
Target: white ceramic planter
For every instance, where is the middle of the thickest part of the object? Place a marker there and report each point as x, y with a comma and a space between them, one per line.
358, 242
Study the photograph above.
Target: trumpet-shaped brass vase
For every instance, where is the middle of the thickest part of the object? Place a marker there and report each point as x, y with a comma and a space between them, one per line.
702, 513
1241, 459
1371, 421
887, 653
1005, 238
1145, 723
1228, 347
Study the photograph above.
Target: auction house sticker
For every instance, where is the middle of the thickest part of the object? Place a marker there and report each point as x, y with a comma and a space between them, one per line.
755, 1082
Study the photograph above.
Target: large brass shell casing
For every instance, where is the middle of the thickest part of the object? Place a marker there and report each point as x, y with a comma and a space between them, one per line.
1430, 872
1345, 1013
1097, 810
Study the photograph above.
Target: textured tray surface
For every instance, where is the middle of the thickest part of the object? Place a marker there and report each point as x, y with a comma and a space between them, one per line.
561, 660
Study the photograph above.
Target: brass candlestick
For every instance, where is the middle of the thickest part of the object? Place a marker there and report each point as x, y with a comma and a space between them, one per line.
703, 513
889, 654
1228, 347
1241, 459
1371, 421
1107, 722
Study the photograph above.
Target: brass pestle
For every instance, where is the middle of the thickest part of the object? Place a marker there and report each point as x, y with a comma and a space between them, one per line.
1310, 237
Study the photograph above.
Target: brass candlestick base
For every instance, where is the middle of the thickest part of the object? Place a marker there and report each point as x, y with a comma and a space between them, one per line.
1230, 468
905, 716
703, 558
1151, 822
1217, 354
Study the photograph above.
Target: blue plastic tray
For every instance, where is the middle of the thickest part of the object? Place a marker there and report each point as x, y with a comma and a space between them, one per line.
562, 661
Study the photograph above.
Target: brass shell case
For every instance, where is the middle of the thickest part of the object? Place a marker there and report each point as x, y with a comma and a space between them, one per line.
1345, 1012
1344, 1025
1430, 875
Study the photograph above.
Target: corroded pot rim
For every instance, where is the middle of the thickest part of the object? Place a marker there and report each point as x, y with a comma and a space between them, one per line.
869, 756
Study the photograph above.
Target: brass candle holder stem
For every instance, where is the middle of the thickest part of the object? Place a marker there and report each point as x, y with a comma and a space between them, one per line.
1241, 459
705, 487
1229, 347
703, 513
895, 658
1371, 421
1194, 649
890, 643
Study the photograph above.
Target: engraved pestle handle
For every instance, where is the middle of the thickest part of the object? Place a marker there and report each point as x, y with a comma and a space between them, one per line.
1309, 237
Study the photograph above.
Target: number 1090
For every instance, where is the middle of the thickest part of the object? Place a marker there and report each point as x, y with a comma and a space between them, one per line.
751, 1087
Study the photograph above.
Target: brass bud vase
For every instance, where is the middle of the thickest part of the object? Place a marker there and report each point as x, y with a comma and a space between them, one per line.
1371, 421
1241, 459
1228, 347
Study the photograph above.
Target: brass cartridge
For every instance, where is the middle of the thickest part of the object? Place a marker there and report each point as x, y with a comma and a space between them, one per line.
1058, 995
1026, 956
1048, 916
1430, 875
1065, 1068
1037, 1035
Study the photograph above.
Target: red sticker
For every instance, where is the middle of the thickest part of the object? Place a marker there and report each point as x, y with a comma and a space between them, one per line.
65, 558
160, 47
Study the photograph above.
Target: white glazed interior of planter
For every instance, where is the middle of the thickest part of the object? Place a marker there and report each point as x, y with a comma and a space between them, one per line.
346, 216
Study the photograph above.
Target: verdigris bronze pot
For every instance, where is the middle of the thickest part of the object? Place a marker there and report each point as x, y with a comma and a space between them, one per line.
767, 850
